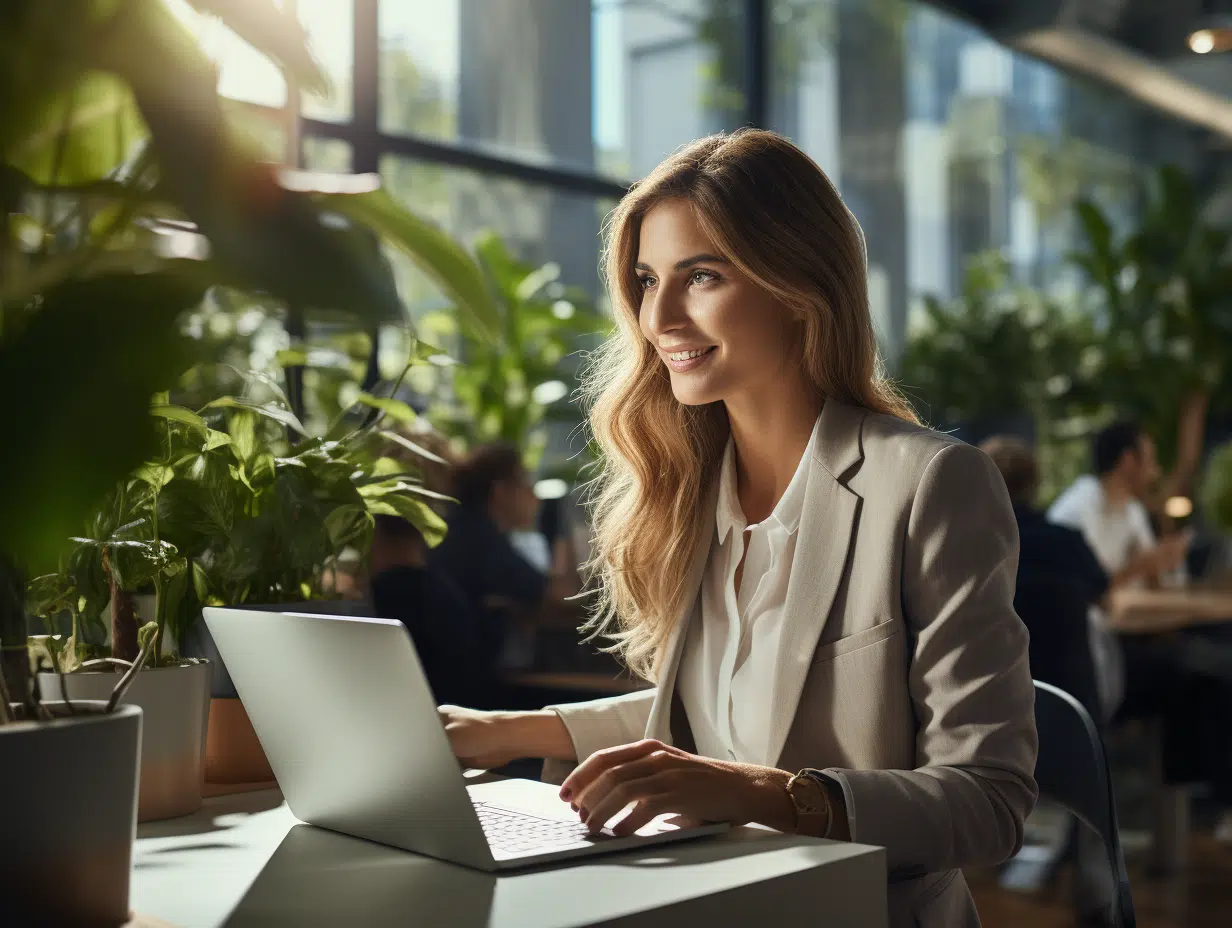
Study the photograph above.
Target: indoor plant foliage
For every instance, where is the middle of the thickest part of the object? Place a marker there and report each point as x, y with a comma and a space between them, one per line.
1163, 295
239, 506
115, 156
512, 389
1000, 350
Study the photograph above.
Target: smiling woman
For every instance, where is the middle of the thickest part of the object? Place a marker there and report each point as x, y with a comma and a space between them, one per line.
821, 589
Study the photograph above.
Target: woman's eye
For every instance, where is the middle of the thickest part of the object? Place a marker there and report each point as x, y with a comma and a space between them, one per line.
646, 282
702, 277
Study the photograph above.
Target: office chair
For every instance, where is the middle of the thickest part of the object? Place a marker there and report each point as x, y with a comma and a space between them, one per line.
1072, 771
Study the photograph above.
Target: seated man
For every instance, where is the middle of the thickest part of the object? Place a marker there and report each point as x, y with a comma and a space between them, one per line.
1185, 678
433, 609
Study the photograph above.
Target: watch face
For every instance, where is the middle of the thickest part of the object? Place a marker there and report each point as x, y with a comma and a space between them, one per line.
806, 792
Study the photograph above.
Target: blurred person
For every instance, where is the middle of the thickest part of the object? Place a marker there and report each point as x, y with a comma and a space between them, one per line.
1059, 580
500, 577
1183, 677
439, 618
821, 588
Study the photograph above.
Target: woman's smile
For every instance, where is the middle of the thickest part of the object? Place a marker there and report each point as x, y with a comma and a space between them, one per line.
688, 359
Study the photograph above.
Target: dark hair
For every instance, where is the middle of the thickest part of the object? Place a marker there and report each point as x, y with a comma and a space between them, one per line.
1016, 462
395, 528
1111, 443
482, 469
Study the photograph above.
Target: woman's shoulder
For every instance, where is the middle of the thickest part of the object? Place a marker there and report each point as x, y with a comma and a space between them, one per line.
908, 447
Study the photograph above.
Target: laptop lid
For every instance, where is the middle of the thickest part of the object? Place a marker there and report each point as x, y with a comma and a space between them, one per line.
348, 722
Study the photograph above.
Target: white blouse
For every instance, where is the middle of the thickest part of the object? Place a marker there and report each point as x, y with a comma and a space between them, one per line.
731, 650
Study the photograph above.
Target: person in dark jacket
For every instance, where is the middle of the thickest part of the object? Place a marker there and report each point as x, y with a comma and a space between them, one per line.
438, 616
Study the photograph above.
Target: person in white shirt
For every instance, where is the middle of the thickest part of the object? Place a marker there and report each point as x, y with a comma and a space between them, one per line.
820, 588
1184, 678
1106, 507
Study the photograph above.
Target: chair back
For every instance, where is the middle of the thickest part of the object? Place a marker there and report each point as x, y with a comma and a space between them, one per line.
1072, 771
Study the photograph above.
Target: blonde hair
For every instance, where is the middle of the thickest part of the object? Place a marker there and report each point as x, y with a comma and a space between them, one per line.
778, 219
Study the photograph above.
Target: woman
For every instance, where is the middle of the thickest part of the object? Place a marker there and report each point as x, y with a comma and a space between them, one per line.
817, 584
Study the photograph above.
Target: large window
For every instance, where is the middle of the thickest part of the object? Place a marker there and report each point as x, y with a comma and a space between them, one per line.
530, 117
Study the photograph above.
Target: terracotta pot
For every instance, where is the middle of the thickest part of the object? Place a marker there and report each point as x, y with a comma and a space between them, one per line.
175, 702
66, 846
233, 754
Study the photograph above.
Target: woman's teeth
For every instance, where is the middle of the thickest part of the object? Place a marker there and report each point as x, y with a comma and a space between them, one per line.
688, 355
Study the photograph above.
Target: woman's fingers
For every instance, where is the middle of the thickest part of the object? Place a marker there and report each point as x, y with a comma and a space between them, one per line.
609, 805
644, 766
642, 813
601, 761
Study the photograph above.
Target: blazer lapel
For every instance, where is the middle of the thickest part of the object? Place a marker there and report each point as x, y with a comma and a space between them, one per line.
825, 534
659, 724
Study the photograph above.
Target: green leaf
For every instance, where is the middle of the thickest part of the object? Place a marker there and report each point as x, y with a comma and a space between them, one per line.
181, 414
215, 439
395, 409
411, 446
420, 515
271, 410
242, 427
156, 475
442, 259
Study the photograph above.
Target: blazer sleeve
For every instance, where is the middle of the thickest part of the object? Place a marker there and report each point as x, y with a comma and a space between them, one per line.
969, 680
599, 724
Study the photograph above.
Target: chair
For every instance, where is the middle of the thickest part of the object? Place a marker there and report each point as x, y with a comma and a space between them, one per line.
1072, 771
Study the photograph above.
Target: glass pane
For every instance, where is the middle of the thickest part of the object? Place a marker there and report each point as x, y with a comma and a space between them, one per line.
610, 85
330, 25
537, 223
945, 143
331, 155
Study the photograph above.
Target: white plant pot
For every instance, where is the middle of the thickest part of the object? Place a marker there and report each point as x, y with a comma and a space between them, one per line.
176, 705
66, 845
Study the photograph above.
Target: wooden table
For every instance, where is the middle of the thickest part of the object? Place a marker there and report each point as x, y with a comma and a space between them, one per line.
1145, 612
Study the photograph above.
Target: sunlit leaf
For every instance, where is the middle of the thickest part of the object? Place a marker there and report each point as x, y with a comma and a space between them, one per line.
442, 259
272, 411
180, 414
395, 409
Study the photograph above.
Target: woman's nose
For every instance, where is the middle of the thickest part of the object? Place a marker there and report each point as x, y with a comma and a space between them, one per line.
664, 313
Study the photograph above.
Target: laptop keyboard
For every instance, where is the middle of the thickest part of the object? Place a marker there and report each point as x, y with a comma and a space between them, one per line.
517, 832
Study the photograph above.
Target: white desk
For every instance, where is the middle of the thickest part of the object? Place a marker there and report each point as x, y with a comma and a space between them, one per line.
245, 860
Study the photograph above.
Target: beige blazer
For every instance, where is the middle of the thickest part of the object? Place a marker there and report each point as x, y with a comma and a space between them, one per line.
903, 666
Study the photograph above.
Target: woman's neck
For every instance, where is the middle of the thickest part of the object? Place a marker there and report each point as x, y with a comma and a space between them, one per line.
770, 431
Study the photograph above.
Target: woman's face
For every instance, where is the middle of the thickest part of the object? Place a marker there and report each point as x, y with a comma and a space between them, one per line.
717, 332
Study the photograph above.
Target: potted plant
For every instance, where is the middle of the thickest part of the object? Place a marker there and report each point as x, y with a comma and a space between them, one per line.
125, 553
259, 513
116, 159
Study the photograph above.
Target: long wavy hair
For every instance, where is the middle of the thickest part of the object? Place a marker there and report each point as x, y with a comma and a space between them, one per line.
773, 214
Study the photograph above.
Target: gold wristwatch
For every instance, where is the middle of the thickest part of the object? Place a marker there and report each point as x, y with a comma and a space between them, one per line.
812, 803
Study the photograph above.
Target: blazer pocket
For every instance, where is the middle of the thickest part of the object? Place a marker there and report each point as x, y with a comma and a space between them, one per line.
849, 643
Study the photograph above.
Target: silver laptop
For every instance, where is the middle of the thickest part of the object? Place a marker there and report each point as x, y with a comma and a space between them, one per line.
345, 715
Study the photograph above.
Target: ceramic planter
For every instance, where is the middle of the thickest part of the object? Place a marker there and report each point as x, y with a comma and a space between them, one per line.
233, 753
176, 705
67, 841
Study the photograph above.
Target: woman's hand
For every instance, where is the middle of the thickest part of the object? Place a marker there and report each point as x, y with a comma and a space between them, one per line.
485, 740
658, 779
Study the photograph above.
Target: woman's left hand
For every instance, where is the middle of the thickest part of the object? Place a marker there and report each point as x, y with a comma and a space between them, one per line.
658, 779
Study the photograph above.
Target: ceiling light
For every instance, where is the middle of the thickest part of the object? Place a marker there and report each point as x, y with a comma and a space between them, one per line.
1212, 30
1202, 41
